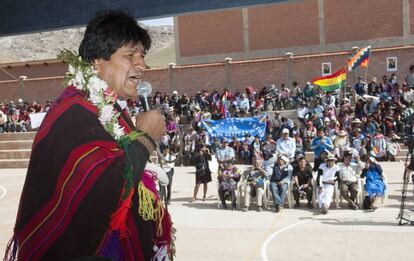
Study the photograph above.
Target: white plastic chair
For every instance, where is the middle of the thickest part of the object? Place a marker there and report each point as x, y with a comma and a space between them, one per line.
337, 197
268, 198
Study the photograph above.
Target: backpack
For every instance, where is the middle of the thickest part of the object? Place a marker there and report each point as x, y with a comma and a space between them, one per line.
366, 203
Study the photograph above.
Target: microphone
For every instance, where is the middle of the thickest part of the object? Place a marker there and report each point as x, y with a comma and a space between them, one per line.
144, 90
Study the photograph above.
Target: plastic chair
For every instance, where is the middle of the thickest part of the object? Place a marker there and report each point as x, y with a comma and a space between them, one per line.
337, 197
268, 198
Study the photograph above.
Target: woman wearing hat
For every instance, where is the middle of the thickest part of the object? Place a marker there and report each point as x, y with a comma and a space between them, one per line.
374, 185
328, 173
341, 144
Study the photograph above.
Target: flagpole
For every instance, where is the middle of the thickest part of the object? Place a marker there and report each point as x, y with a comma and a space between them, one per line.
369, 61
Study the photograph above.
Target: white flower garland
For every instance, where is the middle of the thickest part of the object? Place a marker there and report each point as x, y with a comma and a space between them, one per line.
87, 80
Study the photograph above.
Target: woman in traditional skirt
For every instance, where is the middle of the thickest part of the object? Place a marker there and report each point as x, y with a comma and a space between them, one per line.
374, 184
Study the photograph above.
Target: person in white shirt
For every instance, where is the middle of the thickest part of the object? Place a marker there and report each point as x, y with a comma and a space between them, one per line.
286, 145
224, 154
348, 178
327, 175
168, 167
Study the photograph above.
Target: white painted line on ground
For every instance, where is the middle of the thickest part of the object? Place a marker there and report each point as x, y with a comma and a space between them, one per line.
12, 174
3, 192
272, 236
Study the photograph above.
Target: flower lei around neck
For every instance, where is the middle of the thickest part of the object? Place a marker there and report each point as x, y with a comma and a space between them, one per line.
84, 77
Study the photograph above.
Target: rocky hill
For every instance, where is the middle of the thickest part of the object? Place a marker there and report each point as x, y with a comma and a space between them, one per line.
45, 45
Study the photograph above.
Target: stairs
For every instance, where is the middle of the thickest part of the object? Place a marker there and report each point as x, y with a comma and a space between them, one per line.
15, 149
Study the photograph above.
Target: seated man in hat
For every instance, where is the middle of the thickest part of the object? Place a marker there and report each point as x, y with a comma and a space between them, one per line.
302, 177
279, 181
286, 145
348, 178
254, 185
328, 173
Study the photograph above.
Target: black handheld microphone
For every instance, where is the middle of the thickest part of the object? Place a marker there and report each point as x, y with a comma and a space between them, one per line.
144, 90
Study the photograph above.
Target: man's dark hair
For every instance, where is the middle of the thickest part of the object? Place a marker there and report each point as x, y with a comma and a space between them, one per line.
108, 31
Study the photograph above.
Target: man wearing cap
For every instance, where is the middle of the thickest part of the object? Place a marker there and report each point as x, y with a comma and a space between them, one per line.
174, 100
279, 181
286, 145
359, 87
328, 173
224, 154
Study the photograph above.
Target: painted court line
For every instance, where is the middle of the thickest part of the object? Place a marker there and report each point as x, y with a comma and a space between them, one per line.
3, 192
275, 234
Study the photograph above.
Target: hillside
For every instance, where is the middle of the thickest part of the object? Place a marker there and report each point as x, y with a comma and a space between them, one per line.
45, 45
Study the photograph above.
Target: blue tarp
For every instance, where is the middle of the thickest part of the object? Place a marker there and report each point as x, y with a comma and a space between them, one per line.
238, 127
23, 16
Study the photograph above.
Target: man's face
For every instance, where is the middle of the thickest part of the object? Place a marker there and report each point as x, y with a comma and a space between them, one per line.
347, 159
285, 136
330, 163
302, 163
124, 70
320, 134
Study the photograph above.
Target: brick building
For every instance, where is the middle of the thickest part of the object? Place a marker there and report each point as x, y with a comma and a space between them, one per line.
257, 39
300, 27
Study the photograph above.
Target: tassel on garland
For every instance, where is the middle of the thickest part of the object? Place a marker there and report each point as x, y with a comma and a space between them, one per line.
150, 206
119, 217
11, 250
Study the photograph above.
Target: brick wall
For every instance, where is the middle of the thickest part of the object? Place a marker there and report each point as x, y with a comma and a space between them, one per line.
39, 90
33, 70
283, 25
354, 20
278, 27
213, 32
190, 79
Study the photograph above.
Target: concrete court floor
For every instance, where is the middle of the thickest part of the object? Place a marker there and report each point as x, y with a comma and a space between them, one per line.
208, 233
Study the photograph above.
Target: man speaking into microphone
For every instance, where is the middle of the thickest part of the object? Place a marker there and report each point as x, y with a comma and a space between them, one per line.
83, 191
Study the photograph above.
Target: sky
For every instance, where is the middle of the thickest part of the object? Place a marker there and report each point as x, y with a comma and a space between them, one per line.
160, 21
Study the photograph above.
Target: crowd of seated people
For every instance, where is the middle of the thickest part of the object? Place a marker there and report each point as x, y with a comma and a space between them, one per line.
345, 136
15, 116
